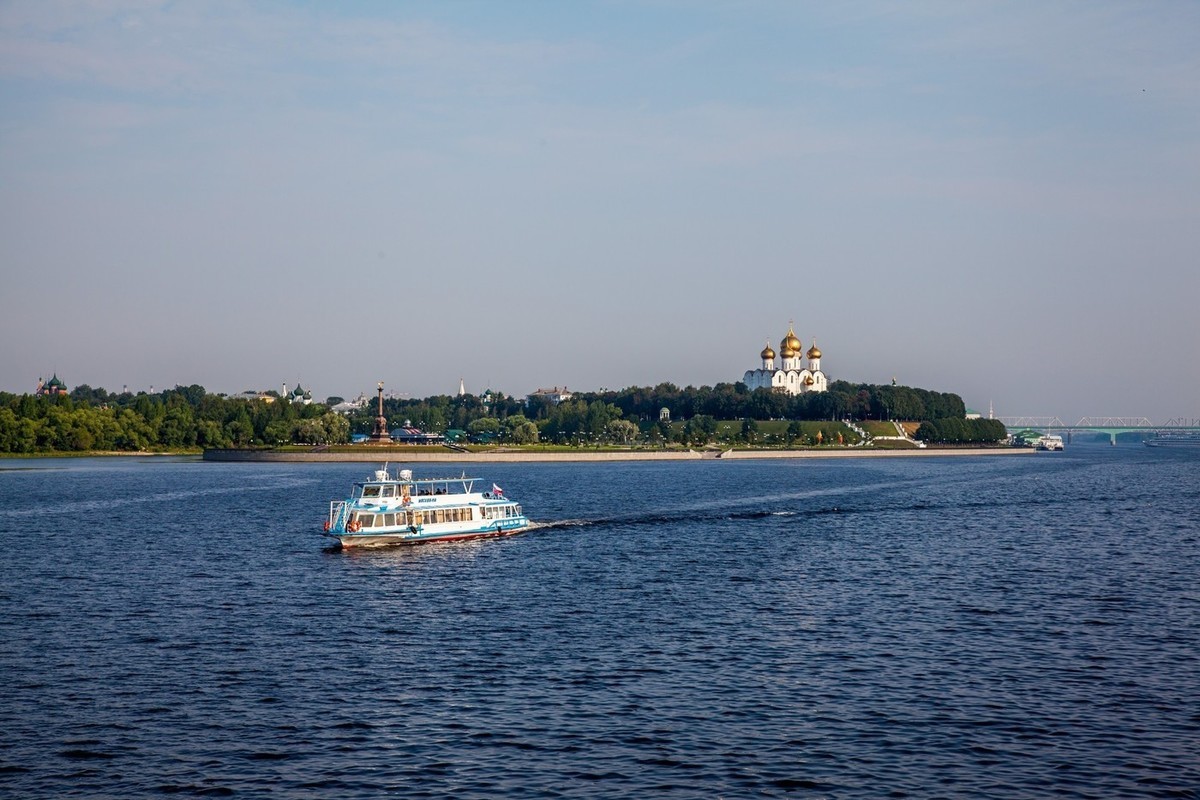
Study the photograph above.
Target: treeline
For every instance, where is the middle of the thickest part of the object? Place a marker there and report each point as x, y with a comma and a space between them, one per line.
584, 420
961, 431
724, 401
185, 417
634, 413
727, 401
188, 417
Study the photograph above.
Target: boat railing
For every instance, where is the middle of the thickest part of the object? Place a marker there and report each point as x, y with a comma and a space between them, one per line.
338, 510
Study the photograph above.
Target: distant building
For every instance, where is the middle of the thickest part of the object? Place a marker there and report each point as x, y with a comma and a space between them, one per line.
51, 388
792, 375
407, 434
485, 397
555, 395
299, 396
664, 414
350, 406
250, 394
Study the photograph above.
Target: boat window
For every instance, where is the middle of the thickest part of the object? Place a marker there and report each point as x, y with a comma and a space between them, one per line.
401, 518
389, 520
371, 491
367, 520
389, 491
417, 517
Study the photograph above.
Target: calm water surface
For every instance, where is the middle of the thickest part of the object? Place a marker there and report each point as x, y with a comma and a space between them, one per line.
960, 627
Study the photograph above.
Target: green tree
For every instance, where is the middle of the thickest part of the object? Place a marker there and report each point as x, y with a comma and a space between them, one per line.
178, 427
240, 429
700, 429
794, 431
337, 428
521, 430
281, 431
135, 434
209, 434
621, 430
484, 426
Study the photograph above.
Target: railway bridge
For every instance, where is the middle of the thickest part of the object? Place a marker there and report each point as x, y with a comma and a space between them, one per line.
1110, 425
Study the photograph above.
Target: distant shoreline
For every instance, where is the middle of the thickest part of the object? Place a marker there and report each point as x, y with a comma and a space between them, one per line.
418, 456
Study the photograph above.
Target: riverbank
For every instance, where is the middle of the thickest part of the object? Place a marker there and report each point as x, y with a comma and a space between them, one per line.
422, 455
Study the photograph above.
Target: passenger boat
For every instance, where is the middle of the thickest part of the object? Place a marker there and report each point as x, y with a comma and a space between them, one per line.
1174, 439
1051, 441
386, 510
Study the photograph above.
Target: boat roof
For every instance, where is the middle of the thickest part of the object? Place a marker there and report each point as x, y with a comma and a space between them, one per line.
416, 481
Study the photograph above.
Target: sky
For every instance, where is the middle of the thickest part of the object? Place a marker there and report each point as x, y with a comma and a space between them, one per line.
1000, 200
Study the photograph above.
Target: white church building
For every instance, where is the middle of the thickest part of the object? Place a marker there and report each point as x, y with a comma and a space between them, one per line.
792, 375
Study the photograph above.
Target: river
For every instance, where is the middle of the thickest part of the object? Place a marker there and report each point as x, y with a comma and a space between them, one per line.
974, 627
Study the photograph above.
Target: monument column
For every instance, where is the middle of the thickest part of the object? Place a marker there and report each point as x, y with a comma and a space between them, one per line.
380, 435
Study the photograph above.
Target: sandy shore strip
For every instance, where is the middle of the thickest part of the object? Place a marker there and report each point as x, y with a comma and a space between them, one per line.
422, 455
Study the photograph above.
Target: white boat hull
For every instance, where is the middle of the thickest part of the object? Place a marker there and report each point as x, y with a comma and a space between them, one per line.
406, 536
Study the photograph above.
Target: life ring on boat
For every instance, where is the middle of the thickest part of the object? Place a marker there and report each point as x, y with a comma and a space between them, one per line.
328, 525
353, 527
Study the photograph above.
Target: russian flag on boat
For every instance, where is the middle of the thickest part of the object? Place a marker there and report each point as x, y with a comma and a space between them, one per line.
497, 490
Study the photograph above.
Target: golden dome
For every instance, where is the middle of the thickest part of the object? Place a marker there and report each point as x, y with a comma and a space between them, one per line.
809, 381
790, 342
813, 352
768, 353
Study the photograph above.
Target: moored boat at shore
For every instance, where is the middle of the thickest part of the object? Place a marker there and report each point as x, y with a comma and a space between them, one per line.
1050, 441
387, 510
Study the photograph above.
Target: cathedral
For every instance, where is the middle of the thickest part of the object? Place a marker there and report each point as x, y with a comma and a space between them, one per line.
792, 375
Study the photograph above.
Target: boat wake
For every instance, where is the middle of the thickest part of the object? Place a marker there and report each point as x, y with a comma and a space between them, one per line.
845, 509
107, 504
638, 520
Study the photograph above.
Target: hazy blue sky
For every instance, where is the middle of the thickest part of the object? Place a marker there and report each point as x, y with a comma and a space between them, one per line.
1000, 200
